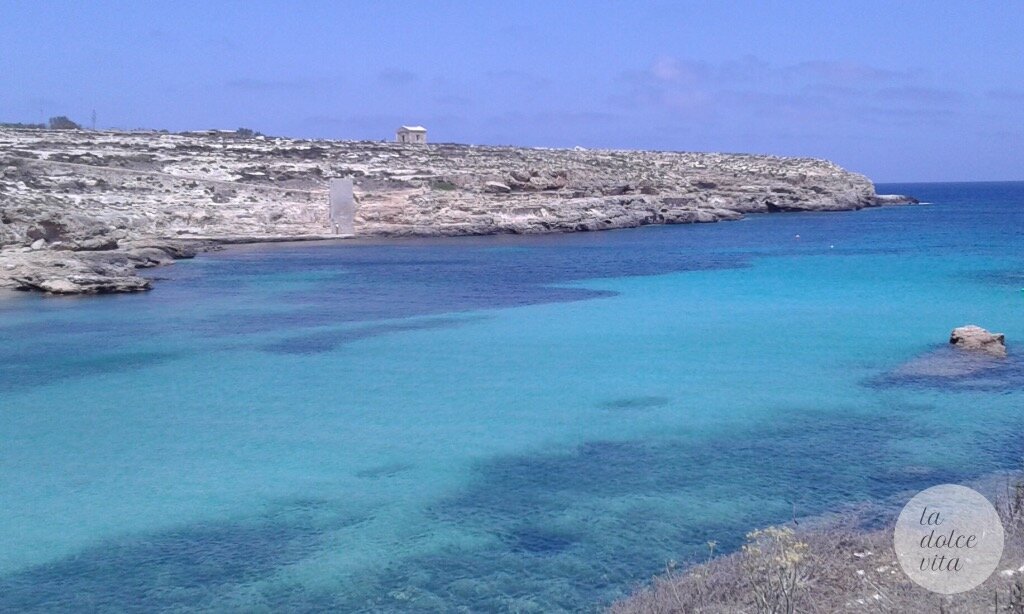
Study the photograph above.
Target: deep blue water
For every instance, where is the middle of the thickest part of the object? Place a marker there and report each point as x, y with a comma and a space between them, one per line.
500, 423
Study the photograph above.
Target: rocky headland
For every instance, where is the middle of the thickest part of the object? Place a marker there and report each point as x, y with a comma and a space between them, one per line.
80, 211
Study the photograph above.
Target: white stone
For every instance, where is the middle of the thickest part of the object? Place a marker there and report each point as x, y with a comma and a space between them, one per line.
59, 286
496, 187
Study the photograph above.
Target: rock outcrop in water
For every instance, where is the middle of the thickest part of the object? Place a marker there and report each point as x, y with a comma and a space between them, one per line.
895, 199
977, 339
974, 358
80, 210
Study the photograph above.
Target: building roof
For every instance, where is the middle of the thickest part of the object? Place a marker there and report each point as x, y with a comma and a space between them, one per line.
412, 129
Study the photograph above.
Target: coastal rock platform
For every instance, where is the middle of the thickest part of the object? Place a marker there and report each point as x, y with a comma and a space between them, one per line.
81, 210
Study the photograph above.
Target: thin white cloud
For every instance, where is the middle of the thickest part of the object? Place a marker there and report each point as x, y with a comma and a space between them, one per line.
1006, 95
749, 89
263, 85
396, 76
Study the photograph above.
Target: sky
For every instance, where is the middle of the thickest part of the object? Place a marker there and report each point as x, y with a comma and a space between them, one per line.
900, 91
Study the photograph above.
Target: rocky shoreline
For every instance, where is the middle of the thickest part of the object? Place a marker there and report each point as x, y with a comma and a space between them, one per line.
81, 211
837, 564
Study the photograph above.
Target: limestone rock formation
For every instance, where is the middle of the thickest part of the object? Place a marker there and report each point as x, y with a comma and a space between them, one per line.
75, 206
895, 199
977, 339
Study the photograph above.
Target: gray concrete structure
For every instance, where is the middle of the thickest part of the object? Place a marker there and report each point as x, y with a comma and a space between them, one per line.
343, 207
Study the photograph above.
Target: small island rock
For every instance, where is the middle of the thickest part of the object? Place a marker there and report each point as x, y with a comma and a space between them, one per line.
976, 338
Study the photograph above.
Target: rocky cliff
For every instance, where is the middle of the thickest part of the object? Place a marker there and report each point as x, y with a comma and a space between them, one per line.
80, 210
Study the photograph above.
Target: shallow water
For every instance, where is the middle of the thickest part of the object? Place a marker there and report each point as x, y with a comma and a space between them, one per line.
501, 423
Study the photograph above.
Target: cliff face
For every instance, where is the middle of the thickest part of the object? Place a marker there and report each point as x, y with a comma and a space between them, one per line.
80, 210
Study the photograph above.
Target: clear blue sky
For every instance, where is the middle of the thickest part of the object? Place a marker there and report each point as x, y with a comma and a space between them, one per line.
898, 90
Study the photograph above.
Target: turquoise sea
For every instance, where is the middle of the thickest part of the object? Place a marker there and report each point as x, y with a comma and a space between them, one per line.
499, 423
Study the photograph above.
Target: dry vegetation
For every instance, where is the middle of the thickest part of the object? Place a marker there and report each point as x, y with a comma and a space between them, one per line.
829, 569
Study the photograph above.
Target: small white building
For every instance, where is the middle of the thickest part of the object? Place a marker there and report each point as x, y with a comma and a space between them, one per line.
411, 134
